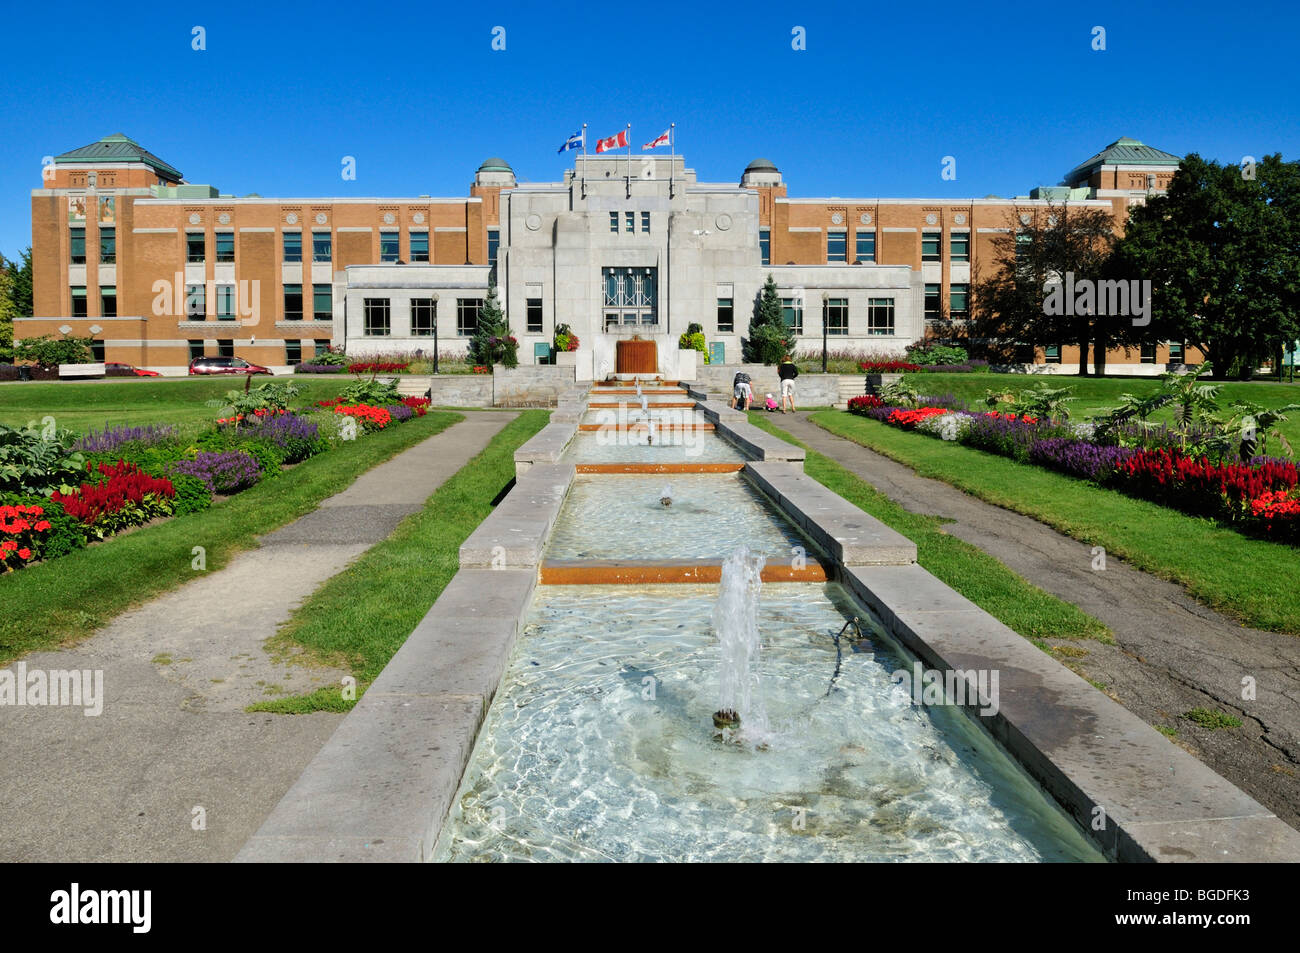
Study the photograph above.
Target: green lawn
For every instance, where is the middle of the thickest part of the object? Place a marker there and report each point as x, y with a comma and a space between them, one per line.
979, 577
83, 405
68, 598
360, 617
1253, 580
1095, 394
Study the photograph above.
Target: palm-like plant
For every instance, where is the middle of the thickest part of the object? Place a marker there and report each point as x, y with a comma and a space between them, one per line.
1045, 403
1254, 424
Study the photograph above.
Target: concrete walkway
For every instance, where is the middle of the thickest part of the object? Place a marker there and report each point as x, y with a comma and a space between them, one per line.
178, 672
1172, 653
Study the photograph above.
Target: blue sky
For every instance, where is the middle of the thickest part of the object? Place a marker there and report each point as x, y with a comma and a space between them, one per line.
414, 91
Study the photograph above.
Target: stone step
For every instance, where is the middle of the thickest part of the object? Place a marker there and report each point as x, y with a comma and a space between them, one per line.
414, 385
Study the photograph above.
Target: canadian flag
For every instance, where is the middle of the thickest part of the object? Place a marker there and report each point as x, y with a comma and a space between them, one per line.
661, 141
613, 142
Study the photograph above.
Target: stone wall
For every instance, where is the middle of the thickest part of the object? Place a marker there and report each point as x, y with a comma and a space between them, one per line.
461, 390
810, 390
531, 385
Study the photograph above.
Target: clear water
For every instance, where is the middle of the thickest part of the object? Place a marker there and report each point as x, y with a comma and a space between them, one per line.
600, 746
620, 517
671, 447
677, 416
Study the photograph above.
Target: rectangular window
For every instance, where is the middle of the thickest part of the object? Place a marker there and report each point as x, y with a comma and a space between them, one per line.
1052, 354
629, 222
932, 310
322, 302
931, 243
613, 221
225, 347
792, 314
77, 246
645, 223
322, 347
837, 316
880, 316
292, 247
292, 352
225, 302
1148, 353
467, 311
959, 246
97, 351
534, 315
957, 304
196, 348
322, 246
196, 247
494, 242
419, 246
726, 315
866, 246
108, 302
196, 306
225, 246
107, 246
389, 246
1175, 352
293, 302
378, 319
79, 302
422, 317
1024, 244
765, 245
837, 244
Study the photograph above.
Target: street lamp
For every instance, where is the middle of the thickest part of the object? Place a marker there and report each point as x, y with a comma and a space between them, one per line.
826, 300
435, 332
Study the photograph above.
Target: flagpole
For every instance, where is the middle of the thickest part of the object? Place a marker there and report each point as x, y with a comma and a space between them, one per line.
672, 157
584, 160
629, 160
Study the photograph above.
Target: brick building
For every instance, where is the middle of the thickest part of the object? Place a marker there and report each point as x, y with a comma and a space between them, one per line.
159, 271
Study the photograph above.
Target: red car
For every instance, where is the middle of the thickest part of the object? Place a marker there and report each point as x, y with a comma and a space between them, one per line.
115, 369
225, 365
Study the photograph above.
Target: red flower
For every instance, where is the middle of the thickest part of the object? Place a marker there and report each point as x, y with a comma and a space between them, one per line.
42, 526
24, 553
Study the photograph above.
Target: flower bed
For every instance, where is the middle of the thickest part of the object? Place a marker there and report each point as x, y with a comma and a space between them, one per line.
226, 472
319, 368
888, 367
112, 438
123, 495
370, 418
380, 367
1259, 495
860, 405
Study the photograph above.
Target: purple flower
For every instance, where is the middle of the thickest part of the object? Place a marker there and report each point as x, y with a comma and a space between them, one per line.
400, 412
295, 436
1078, 458
111, 438
226, 472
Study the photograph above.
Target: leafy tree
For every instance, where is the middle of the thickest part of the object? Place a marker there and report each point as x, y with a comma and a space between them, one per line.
1222, 252
7, 311
492, 343
1008, 307
769, 338
50, 351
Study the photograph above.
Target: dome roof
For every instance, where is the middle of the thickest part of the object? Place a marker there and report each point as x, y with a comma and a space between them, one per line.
495, 164
761, 165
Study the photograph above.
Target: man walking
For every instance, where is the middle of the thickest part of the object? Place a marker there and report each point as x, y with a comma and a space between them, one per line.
787, 372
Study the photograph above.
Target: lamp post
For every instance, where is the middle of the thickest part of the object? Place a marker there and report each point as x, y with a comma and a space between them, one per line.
826, 300
435, 332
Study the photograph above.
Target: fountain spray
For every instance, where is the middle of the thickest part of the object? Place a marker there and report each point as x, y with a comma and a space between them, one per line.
666, 495
735, 621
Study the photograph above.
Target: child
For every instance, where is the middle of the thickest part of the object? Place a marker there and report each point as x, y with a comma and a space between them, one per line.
771, 404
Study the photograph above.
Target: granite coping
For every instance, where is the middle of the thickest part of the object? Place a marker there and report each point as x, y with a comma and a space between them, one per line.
515, 533
1136, 794
850, 536
382, 786
547, 445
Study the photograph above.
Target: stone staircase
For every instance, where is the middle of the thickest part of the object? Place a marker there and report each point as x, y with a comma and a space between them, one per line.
414, 385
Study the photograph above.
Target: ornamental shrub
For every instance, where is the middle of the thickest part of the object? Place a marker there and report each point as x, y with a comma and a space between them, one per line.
192, 494
225, 472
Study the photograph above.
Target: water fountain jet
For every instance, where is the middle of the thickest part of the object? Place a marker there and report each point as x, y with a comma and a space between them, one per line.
735, 622
666, 495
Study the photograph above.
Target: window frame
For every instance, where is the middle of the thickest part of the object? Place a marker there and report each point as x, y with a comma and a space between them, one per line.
316, 313
729, 308
534, 306
955, 313
108, 255
290, 313
422, 309
874, 326
191, 238
934, 236
838, 236
840, 326
964, 239
376, 317
289, 256
316, 239
225, 247
868, 235
421, 257
794, 318
467, 308
77, 238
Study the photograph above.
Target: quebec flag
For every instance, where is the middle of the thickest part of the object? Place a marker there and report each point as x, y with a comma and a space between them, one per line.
573, 142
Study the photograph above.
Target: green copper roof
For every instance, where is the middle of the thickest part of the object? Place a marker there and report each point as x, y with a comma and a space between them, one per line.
495, 165
1123, 151
119, 148
761, 165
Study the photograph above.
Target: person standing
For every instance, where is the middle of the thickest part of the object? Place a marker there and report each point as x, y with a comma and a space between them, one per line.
787, 372
740, 392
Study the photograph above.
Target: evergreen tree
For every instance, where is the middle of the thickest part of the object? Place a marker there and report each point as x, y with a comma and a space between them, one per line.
769, 338
492, 343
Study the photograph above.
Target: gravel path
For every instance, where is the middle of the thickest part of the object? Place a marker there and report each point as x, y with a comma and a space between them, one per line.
177, 674
1172, 654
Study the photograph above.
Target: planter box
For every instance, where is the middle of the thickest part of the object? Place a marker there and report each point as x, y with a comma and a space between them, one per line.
566, 358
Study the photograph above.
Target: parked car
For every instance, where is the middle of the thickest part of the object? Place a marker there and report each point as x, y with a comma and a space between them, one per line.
115, 369
225, 365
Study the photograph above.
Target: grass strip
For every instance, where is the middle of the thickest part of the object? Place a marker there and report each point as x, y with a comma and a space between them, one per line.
359, 618
1008, 597
1252, 580
65, 599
